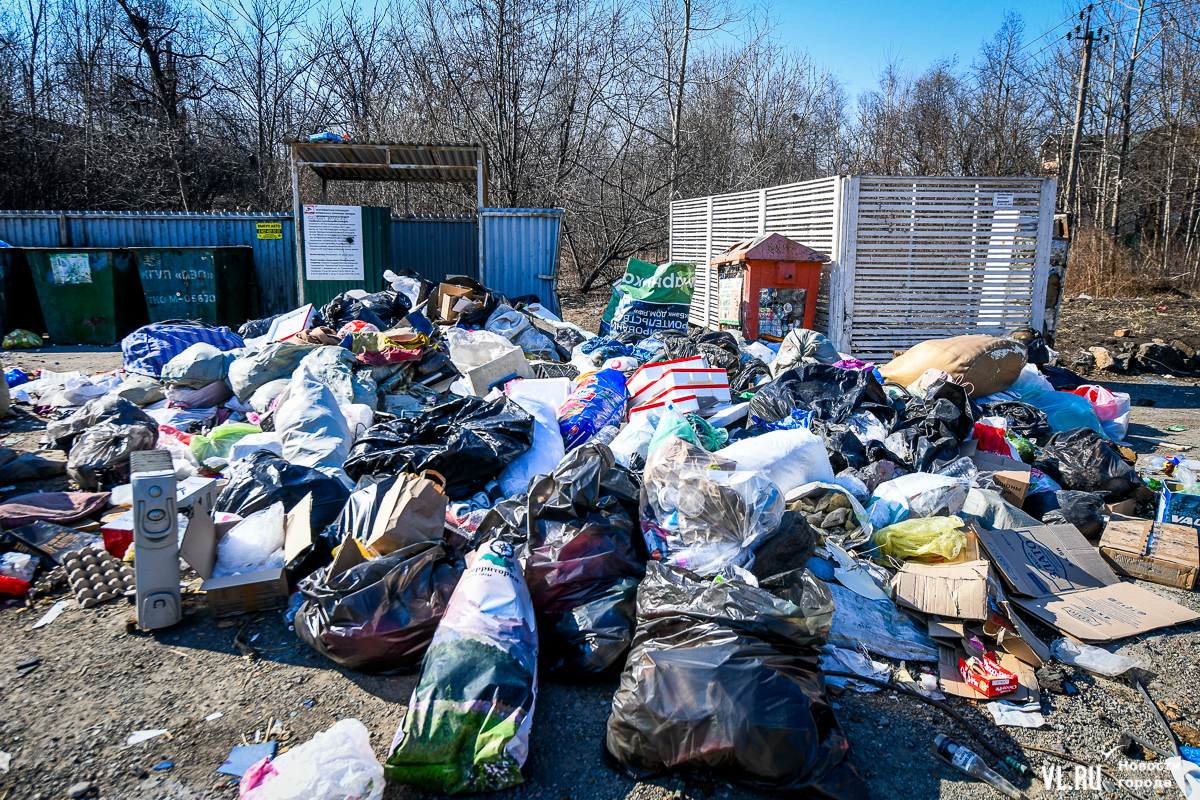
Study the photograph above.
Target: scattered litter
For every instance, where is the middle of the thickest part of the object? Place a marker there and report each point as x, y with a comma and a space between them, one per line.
1011, 715
1175, 428
5, 760
163, 765
242, 757
137, 737
52, 614
214, 715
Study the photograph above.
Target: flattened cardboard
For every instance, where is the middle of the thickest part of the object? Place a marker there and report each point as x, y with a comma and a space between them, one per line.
948, 590
1049, 559
952, 683
1165, 554
944, 629
263, 590
1107, 613
1012, 476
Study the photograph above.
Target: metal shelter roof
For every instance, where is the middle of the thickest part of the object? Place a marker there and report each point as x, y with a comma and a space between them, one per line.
383, 161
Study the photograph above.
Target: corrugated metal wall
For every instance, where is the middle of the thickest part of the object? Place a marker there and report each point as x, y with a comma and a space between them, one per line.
274, 259
436, 246
520, 247
522, 244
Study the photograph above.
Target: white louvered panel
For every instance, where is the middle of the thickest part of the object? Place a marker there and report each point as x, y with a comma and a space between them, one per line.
934, 257
806, 212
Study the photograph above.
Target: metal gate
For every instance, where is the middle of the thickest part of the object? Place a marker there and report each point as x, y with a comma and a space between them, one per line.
911, 258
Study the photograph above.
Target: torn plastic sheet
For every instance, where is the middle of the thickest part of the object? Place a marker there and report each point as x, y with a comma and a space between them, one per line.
878, 627
1015, 716
839, 659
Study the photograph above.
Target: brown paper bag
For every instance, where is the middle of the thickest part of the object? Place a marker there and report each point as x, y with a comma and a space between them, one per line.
412, 511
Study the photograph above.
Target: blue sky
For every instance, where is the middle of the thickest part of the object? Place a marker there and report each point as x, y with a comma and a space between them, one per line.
855, 38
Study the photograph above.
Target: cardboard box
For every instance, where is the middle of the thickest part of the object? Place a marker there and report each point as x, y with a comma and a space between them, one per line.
1012, 476
987, 677
263, 590
513, 364
951, 681
1064, 582
649, 373
448, 297
948, 590
1153, 551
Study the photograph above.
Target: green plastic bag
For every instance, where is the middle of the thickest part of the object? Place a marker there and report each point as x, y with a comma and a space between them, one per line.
931, 539
221, 440
21, 339
649, 299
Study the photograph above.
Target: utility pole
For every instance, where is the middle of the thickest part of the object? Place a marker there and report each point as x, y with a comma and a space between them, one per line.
1088, 36
1123, 155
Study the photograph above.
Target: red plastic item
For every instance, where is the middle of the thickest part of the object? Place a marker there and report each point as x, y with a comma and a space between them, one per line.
13, 586
991, 440
987, 677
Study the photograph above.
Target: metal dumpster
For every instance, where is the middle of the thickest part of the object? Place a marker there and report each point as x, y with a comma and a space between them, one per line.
88, 295
214, 285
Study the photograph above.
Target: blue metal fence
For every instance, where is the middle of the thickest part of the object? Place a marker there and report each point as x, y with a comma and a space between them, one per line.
435, 247
520, 248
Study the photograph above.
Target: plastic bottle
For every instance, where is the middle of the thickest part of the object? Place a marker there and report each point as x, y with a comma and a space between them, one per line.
961, 467
968, 762
605, 435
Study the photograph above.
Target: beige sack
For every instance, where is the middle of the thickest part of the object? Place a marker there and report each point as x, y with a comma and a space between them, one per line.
988, 364
412, 511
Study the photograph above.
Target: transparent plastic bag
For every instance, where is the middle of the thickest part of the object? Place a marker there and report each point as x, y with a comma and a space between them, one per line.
1103, 401
221, 440
475, 348
253, 544
334, 765
1093, 659
932, 539
919, 494
701, 514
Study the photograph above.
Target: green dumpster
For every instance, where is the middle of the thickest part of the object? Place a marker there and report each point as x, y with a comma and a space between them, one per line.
211, 284
88, 295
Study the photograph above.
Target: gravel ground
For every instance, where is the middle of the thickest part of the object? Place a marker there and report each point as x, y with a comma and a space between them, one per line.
98, 681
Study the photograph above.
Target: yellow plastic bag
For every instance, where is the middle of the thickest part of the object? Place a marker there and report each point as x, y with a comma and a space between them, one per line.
930, 539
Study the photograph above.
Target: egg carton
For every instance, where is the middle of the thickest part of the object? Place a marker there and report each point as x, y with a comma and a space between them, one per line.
96, 576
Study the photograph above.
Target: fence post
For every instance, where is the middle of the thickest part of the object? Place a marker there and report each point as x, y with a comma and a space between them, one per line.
837, 259
762, 211
845, 343
1041, 253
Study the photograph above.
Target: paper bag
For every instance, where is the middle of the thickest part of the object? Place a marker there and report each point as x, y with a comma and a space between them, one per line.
412, 511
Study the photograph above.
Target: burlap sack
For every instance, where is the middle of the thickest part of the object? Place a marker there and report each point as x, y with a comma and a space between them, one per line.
988, 364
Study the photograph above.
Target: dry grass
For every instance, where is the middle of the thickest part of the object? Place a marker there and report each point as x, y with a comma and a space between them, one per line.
1102, 267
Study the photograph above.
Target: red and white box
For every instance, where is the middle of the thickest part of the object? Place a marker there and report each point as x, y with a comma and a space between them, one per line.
987, 677
686, 404
670, 380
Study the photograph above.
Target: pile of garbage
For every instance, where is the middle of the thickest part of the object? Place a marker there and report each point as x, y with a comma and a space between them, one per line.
439, 477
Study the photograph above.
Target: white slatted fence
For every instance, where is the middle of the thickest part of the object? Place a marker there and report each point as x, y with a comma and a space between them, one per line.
911, 258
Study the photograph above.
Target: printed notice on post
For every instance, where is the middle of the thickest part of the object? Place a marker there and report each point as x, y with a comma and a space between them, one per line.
333, 249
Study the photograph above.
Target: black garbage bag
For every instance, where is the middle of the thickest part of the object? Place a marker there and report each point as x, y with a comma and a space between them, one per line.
916, 452
752, 371
846, 450
832, 394
377, 615
945, 411
99, 438
579, 531
788, 549
390, 306
1061, 378
467, 440
1037, 352
725, 676
342, 309
263, 478
590, 641
1083, 460
1065, 507
1022, 418
357, 516
257, 327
